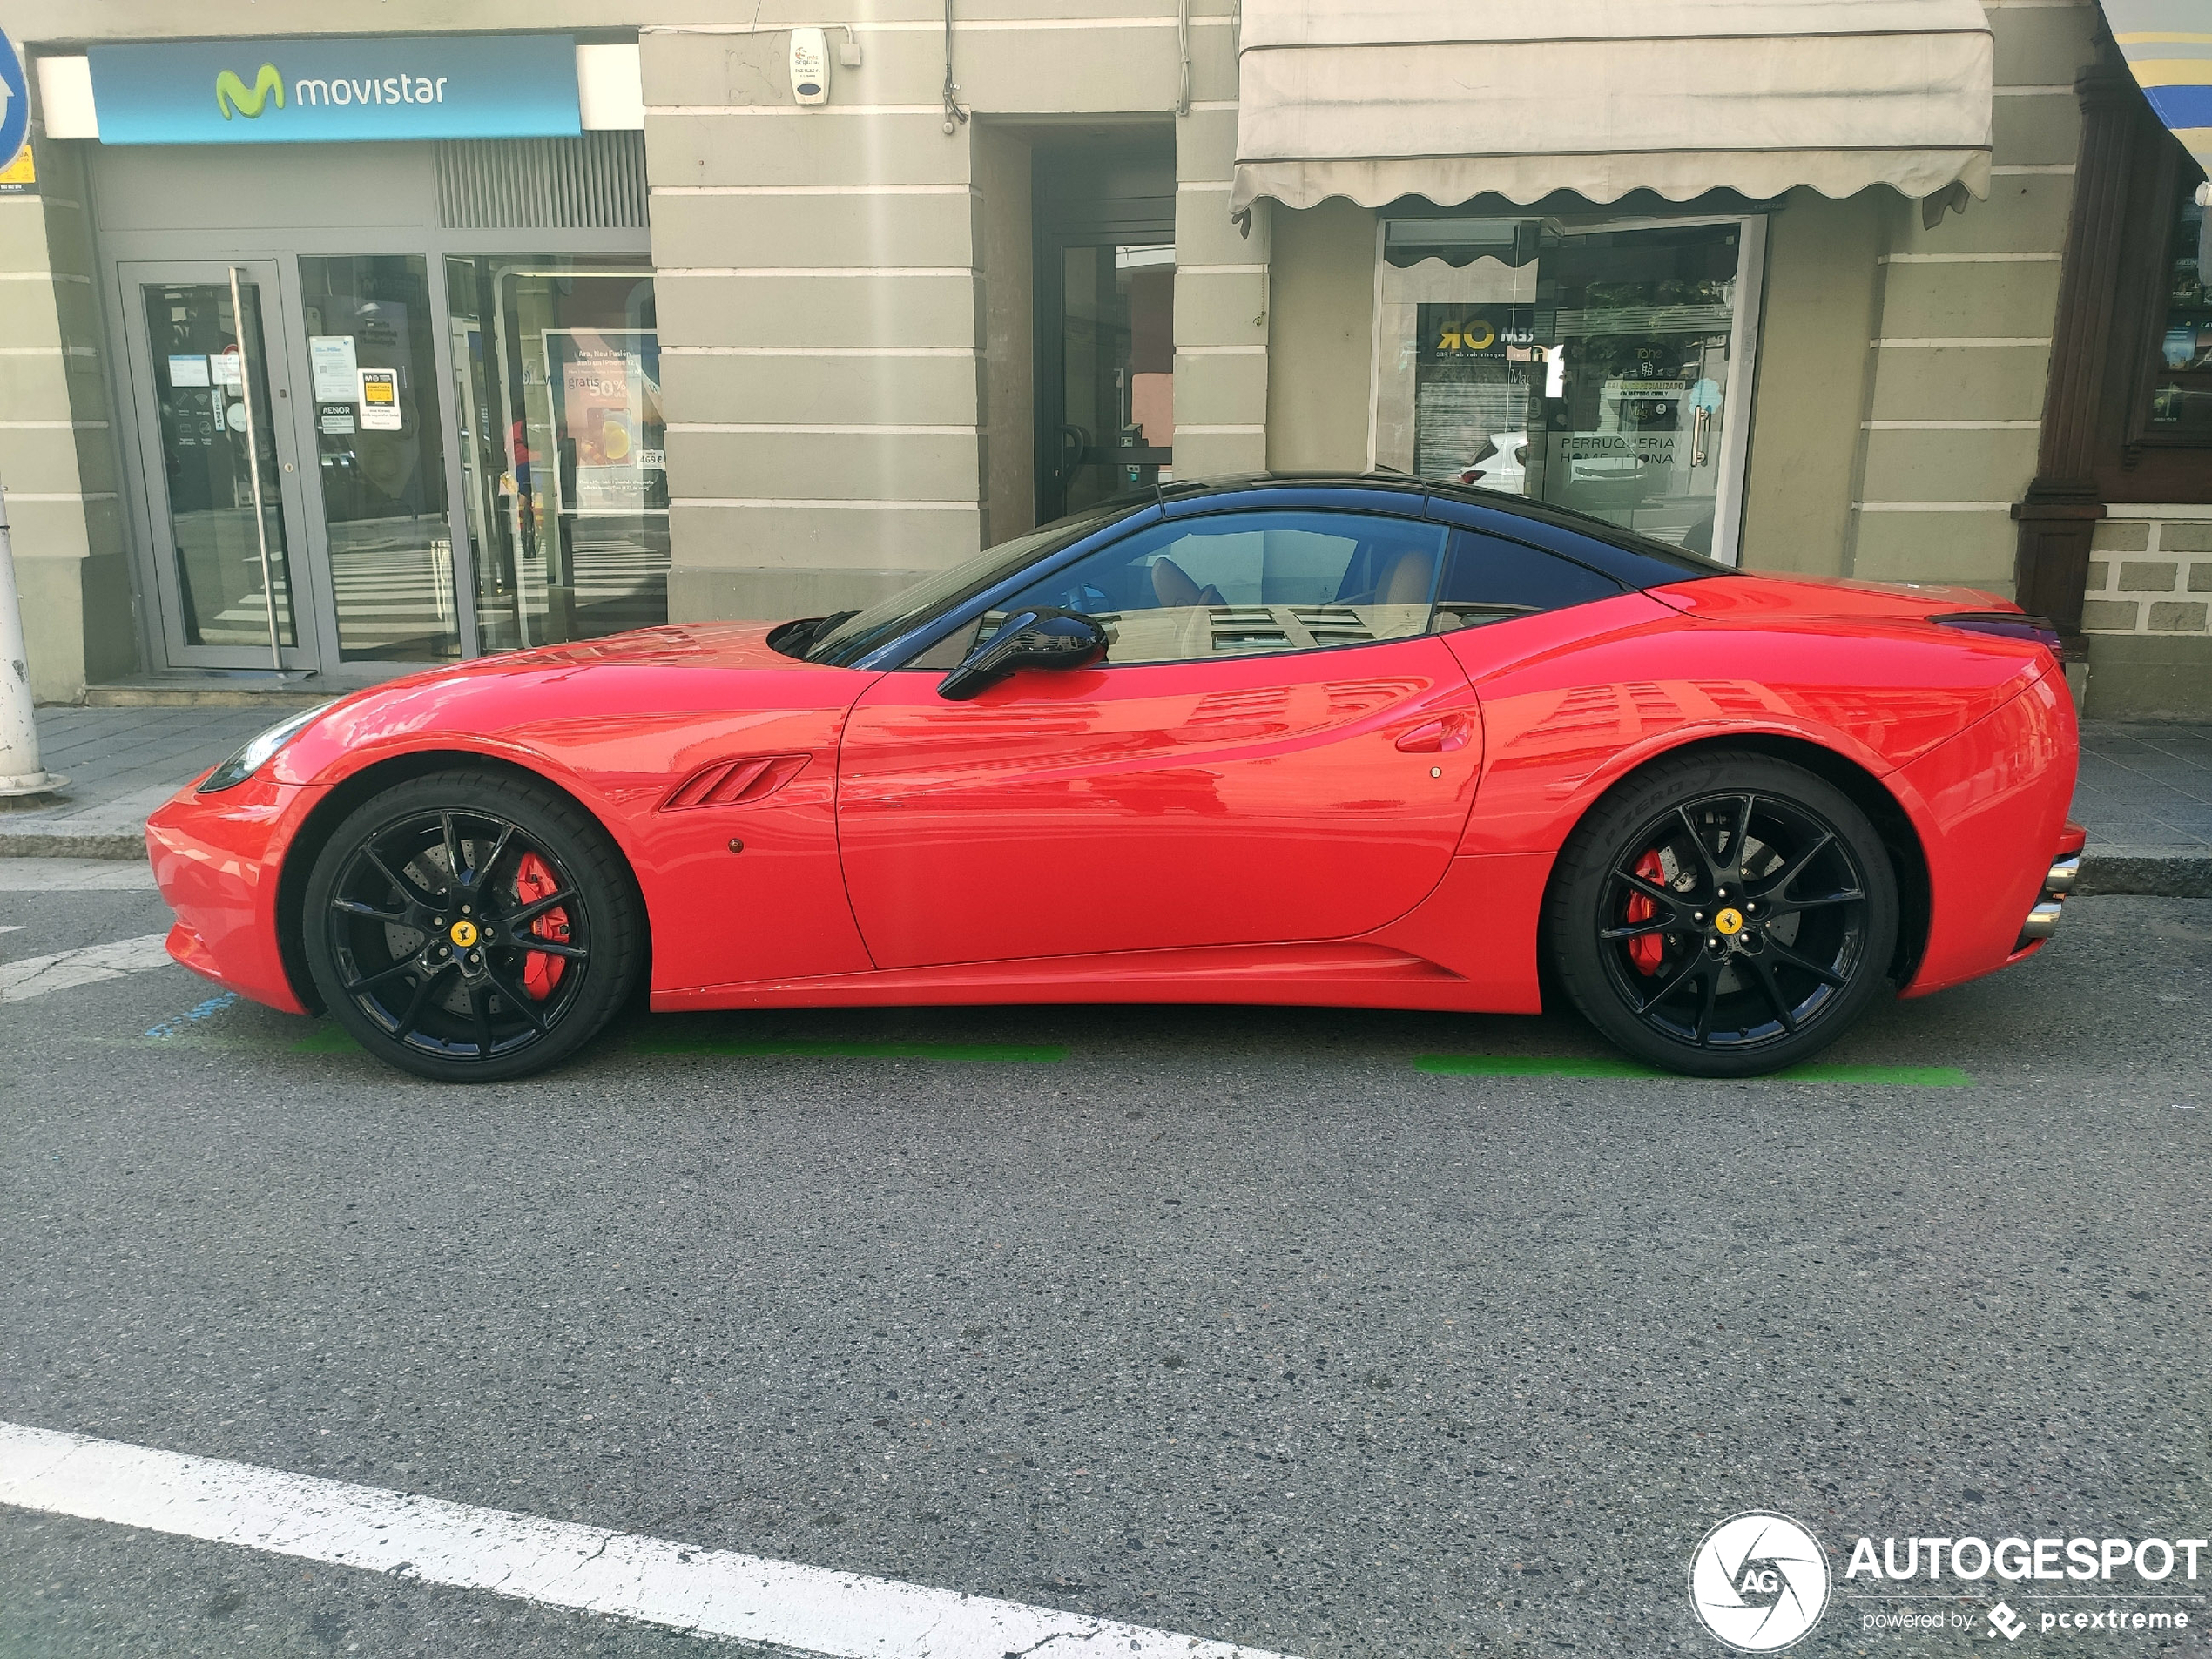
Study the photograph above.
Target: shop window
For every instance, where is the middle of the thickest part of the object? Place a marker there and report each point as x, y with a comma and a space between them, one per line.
557, 361
2178, 401
1589, 365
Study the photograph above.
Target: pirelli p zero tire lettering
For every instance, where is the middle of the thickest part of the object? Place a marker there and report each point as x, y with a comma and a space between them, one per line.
470, 926
1724, 914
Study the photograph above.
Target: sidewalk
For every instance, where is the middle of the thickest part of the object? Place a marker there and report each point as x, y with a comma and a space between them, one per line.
2145, 793
121, 764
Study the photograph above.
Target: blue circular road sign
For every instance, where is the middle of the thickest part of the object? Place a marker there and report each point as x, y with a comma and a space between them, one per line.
15, 104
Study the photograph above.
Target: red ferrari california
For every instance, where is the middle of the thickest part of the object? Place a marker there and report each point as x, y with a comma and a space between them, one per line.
1351, 741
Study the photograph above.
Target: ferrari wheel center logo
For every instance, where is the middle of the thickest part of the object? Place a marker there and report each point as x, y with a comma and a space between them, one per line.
1759, 1582
1730, 922
464, 933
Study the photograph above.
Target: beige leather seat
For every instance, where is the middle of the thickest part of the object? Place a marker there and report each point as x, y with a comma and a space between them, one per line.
1173, 588
1408, 579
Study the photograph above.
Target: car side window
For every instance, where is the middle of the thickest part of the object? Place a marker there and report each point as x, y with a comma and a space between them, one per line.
1489, 579
1243, 584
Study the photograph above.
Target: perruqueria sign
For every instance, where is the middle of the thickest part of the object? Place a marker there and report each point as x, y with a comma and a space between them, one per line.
337, 89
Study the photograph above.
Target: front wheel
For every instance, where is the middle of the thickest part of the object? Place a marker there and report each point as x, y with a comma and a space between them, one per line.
471, 926
1724, 914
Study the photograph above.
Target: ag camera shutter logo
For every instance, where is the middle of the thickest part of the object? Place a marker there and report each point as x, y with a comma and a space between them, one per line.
1759, 1581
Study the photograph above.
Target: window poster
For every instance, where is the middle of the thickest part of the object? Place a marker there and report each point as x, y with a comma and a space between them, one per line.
1474, 368
607, 422
380, 399
332, 364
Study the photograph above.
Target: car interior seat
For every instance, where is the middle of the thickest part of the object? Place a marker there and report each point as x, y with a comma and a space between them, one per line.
1172, 586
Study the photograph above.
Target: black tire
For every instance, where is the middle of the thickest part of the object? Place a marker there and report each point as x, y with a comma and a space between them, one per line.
1724, 914
505, 972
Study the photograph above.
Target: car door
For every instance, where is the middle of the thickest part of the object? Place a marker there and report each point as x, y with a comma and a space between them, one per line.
1276, 748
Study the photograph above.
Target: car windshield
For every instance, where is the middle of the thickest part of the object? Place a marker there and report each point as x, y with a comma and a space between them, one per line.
852, 636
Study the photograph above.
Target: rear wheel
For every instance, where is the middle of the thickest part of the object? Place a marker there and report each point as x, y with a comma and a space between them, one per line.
1724, 914
468, 927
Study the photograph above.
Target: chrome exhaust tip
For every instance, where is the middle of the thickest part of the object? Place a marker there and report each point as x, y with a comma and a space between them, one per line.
2042, 921
2063, 875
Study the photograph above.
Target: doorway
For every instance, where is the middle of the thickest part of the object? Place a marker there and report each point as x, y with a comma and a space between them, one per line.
222, 479
384, 405
294, 467
1105, 301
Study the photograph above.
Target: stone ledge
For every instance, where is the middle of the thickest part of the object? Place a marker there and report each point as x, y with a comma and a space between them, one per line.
52, 845
2145, 870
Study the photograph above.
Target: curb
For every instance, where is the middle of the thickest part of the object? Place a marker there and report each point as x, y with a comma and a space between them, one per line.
2166, 875
122, 849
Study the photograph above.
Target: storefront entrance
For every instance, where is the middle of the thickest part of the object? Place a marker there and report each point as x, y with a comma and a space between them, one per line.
350, 453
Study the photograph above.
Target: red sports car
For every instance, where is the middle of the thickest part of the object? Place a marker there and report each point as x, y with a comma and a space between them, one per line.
1351, 741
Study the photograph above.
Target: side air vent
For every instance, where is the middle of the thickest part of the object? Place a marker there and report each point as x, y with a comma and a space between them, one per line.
735, 783
596, 181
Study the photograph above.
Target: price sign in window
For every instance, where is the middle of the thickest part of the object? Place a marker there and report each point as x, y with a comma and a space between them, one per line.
607, 420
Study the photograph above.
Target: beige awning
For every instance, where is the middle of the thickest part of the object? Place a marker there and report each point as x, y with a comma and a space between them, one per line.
1376, 100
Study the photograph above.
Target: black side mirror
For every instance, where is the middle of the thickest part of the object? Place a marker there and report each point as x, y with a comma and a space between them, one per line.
1034, 636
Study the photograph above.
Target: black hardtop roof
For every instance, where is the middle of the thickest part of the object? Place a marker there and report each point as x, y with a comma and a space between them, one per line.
1639, 560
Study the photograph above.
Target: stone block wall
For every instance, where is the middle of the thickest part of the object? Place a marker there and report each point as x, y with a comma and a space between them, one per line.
2148, 614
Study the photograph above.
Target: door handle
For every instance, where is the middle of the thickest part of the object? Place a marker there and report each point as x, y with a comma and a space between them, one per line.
1436, 736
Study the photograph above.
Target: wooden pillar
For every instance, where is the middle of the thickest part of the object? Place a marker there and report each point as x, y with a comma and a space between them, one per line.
2058, 513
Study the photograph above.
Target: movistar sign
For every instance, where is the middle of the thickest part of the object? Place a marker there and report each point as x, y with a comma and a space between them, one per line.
338, 89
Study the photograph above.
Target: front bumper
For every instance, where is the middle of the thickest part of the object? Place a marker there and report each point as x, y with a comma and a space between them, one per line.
217, 859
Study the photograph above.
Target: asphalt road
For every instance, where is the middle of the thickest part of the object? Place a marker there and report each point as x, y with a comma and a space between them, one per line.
1231, 1322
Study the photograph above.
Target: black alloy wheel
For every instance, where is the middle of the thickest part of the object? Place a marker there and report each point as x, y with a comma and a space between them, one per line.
472, 925
1725, 915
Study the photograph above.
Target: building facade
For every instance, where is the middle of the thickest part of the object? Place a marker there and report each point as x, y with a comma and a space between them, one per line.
324, 356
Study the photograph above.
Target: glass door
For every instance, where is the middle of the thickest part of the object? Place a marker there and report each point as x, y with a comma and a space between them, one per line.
368, 333
216, 445
1107, 403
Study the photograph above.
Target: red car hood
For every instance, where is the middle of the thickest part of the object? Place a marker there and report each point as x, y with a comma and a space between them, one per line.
688, 645
654, 688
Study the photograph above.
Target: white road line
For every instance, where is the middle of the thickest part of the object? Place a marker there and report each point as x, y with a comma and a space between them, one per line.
72, 875
66, 969
709, 1592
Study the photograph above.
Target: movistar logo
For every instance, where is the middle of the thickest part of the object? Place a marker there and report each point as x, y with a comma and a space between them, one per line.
230, 93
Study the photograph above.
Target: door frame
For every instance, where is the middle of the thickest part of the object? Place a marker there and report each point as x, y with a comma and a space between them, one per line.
140, 430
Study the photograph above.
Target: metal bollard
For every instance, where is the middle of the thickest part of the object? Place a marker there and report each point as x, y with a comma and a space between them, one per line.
20, 772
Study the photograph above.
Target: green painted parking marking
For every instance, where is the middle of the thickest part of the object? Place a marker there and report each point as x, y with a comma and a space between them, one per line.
1478, 1065
1041, 1053
328, 1037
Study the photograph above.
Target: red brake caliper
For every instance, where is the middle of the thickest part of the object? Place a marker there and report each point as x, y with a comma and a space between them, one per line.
542, 971
1645, 951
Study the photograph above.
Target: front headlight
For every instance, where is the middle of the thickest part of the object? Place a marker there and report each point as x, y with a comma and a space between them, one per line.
258, 753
